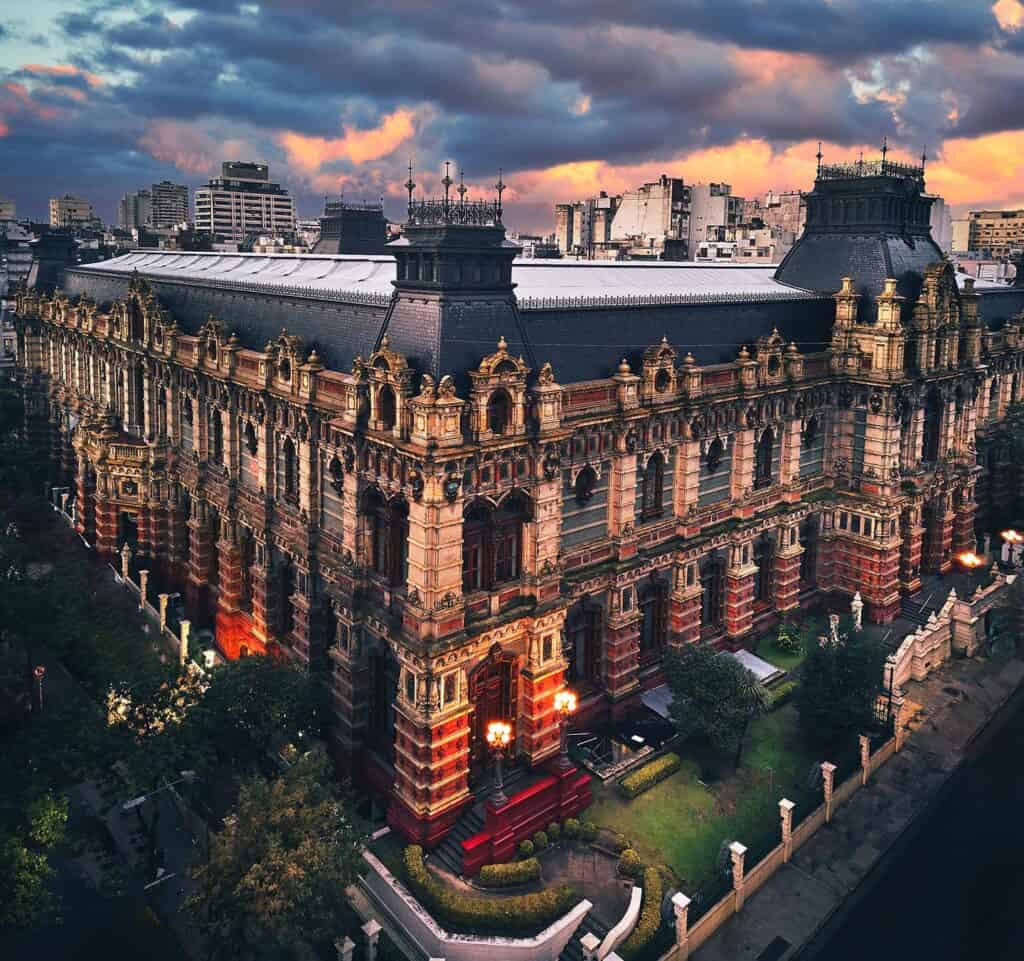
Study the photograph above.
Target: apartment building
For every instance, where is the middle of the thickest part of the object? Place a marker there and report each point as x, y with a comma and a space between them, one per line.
243, 202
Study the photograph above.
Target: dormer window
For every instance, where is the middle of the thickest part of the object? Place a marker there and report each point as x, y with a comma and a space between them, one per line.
499, 412
284, 369
387, 408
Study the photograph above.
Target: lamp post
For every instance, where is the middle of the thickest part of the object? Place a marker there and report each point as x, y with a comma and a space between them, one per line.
1011, 546
970, 563
565, 704
499, 735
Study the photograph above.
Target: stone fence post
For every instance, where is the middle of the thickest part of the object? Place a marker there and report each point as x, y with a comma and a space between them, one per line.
681, 907
865, 759
897, 721
372, 931
738, 852
163, 598
186, 626
828, 771
143, 586
590, 942
126, 559
786, 813
345, 947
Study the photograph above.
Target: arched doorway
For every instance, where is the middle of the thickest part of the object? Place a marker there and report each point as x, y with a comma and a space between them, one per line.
494, 694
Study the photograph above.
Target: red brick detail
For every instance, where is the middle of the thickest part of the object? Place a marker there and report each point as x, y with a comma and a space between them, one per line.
560, 795
910, 558
963, 528
684, 620
106, 528
622, 658
739, 604
234, 637
539, 722
197, 585
936, 557
786, 582
872, 570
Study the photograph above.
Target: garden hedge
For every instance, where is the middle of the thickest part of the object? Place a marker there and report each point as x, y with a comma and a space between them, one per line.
781, 694
650, 774
650, 916
509, 873
521, 914
630, 864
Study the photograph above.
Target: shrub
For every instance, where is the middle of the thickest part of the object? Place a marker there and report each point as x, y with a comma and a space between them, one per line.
646, 777
588, 831
630, 864
523, 913
554, 830
788, 639
513, 872
650, 917
619, 843
525, 848
780, 694
571, 829
540, 841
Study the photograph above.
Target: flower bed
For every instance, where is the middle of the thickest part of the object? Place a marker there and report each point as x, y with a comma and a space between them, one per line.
523, 913
509, 874
650, 774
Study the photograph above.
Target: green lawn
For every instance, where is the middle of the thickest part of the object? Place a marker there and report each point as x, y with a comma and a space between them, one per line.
682, 823
769, 651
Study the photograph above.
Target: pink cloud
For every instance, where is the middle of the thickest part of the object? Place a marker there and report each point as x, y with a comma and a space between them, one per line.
356, 146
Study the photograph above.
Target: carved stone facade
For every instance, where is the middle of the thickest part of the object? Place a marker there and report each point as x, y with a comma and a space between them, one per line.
449, 554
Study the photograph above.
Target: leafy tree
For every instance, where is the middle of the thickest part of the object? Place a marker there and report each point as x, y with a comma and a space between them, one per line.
47, 820
713, 694
250, 702
24, 877
276, 875
839, 686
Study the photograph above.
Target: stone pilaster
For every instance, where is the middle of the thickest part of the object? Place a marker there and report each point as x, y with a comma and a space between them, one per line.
742, 479
910, 550
622, 500
688, 471
739, 591
684, 607
622, 646
200, 555
786, 569
539, 734
963, 523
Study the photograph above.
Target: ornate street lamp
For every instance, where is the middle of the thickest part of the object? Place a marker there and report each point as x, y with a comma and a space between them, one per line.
970, 562
499, 736
565, 704
1011, 545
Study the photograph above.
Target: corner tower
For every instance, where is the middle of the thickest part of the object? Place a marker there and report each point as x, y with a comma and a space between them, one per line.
868, 219
454, 296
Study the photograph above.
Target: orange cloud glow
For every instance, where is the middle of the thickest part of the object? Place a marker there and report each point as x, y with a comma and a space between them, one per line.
356, 146
62, 70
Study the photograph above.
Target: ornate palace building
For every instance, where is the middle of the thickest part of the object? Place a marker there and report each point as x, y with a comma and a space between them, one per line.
453, 482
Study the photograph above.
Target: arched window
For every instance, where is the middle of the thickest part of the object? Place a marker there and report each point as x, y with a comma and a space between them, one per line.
386, 408
388, 527
653, 596
763, 556
652, 491
289, 469
216, 436
763, 459
713, 458
251, 444
932, 428
586, 481
583, 643
492, 543
712, 579
499, 412
810, 434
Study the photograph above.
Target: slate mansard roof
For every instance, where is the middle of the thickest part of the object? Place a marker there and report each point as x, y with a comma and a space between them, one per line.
583, 316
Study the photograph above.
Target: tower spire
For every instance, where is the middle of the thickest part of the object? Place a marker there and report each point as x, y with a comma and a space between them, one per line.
885, 150
410, 186
818, 155
500, 188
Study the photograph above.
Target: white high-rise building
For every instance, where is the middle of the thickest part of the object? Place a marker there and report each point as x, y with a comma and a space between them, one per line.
243, 203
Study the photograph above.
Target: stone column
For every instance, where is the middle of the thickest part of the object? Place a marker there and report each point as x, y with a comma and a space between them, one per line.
186, 626
681, 909
622, 644
828, 770
688, 483
898, 732
742, 478
126, 559
684, 606
786, 573
865, 758
163, 598
539, 726
789, 457
786, 814
738, 852
963, 523
372, 931
739, 591
143, 585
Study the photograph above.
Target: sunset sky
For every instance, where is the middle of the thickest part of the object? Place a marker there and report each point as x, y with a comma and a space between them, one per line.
99, 97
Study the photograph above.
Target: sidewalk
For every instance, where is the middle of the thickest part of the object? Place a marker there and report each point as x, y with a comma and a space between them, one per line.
957, 701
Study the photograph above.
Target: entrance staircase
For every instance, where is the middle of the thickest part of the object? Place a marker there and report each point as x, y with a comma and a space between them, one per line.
573, 951
448, 854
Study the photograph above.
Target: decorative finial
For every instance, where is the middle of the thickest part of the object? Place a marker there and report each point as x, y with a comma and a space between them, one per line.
502, 344
924, 157
462, 189
624, 366
689, 360
410, 186
447, 181
384, 342
885, 148
818, 155
500, 187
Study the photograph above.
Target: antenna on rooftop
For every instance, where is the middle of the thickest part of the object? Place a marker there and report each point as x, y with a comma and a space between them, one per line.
447, 182
500, 187
924, 156
818, 155
462, 189
410, 186
885, 148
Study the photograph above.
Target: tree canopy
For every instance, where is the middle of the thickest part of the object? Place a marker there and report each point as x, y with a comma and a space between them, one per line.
840, 683
712, 694
275, 880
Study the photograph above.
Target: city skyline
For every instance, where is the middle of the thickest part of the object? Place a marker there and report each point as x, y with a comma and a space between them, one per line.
568, 101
